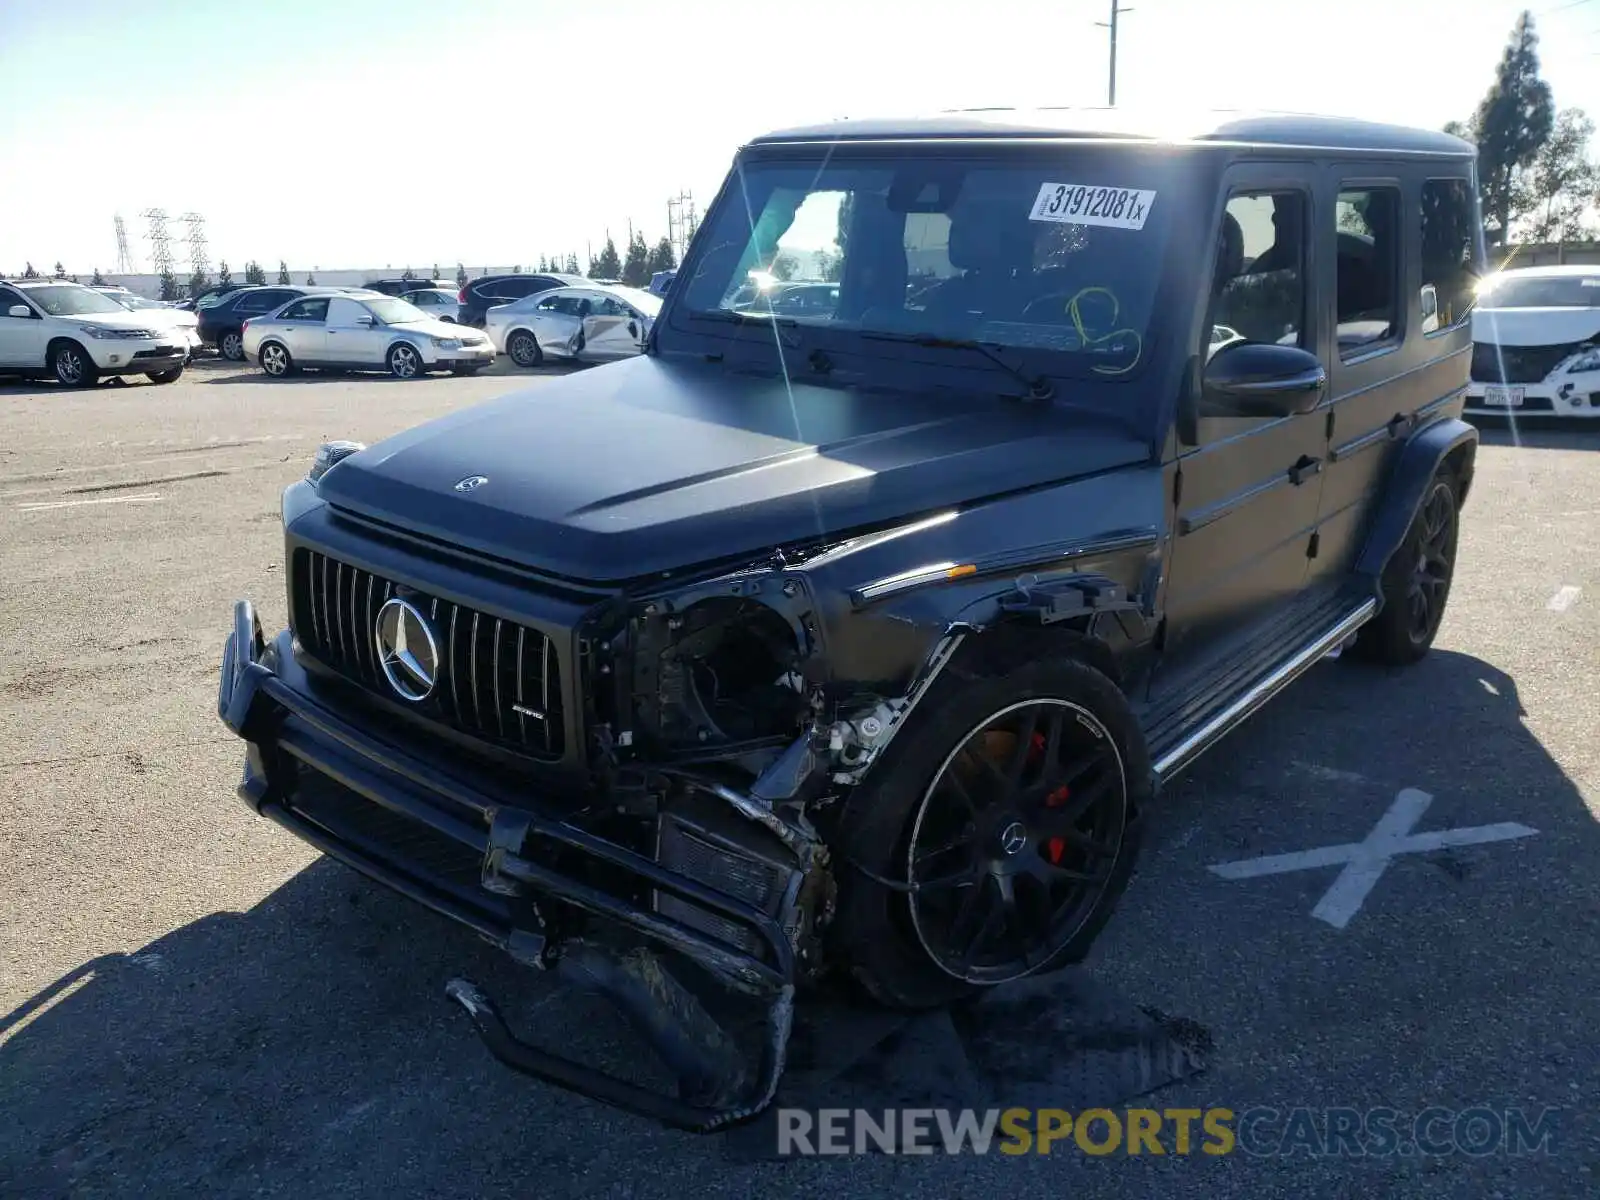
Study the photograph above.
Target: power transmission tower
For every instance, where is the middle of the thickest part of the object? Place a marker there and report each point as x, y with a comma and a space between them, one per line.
1111, 77
125, 263
199, 259
160, 241
681, 222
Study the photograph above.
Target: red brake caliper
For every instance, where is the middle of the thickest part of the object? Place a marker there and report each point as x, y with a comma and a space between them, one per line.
1055, 847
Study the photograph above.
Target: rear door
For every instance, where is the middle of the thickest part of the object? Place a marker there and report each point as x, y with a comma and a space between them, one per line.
22, 339
1248, 493
352, 335
304, 329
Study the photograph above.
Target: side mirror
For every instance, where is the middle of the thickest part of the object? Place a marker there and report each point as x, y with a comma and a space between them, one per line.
19, 310
366, 319
633, 329
1260, 379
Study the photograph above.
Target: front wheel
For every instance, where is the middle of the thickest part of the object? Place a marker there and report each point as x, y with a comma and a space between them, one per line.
165, 376
1416, 582
231, 346
524, 349
404, 361
994, 839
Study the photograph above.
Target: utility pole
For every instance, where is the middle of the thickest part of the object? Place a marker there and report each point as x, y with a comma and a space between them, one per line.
1111, 77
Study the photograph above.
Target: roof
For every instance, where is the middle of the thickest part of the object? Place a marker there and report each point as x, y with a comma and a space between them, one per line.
1167, 126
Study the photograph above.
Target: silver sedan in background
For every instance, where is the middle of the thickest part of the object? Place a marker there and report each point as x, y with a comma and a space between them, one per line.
596, 323
362, 331
436, 302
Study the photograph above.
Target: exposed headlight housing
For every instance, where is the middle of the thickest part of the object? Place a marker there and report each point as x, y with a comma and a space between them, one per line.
1589, 360
330, 453
447, 343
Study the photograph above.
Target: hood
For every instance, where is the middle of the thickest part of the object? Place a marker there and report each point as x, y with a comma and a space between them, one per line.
167, 318
1535, 326
648, 465
121, 319
429, 327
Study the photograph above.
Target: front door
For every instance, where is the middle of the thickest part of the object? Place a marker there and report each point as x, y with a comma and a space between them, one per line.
611, 330
353, 335
22, 339
1248, 492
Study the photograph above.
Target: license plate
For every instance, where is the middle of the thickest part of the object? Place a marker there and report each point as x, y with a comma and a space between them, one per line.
1502, 397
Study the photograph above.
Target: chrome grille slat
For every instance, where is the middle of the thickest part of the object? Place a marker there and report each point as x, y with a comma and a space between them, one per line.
339, 628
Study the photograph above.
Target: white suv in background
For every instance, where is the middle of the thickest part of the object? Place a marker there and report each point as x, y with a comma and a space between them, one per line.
78, 335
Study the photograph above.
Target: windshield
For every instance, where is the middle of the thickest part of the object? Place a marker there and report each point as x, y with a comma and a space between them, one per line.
1541, 291
1061, 256
135, 302
70, 300
392, 311
645, 302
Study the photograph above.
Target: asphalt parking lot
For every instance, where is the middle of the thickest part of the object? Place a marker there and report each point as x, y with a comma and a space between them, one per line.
197, 1003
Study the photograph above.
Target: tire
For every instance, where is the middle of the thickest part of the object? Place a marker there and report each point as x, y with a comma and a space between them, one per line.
405, 361
275, 359
888, 938
231, 346
524, 349
71, 365
171, 376
462, 371
1416, 581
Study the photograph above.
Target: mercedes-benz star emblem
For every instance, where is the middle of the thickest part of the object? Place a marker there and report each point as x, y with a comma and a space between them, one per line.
406, 649
471, 482
1013, 838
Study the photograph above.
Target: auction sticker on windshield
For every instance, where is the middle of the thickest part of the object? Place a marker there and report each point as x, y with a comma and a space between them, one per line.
1088, 204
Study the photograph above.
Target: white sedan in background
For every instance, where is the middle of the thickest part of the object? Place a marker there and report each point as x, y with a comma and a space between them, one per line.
161, 316
593, 324
1536, 343
362, 331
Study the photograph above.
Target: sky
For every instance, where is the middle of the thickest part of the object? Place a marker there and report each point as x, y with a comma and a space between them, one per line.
393, 133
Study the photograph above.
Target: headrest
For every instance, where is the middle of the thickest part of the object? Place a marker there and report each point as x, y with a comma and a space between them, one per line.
984, 238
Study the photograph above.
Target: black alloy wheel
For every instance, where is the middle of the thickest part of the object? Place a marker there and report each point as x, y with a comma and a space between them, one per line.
1017, 840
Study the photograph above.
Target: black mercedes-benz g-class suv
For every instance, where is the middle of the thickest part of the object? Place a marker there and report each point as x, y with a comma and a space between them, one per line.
858, 640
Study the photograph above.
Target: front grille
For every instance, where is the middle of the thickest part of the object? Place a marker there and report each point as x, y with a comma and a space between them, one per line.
1492, 363
499, 680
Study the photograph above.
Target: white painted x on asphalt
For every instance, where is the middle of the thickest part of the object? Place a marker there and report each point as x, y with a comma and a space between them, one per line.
1365, 861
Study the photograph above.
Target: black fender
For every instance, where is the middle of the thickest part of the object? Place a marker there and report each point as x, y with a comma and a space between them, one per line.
1414, 467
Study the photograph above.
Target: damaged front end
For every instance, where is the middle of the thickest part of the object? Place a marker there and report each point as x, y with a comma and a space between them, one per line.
715, 741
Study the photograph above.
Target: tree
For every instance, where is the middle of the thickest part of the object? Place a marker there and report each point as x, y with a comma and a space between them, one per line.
98, 280
1560, 187
283, 271
198, 282
253, 273
29, 272
608, 265
407, 274
169, 286
224, 277
461, 275
517, 270
784, 267
572, 265
311, 280
435, 273
663, 257
61, 272
544, 263
1513, 122
636, 267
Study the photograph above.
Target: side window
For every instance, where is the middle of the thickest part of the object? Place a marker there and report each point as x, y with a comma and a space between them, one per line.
260, 302
551, 304
513, 289
309, 309
7, 299
344, 313
1367, 274
1450, 259
1259, 289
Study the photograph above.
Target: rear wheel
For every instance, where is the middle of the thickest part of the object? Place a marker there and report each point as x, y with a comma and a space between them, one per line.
275, 360
1416, 583
996, 836
404, 361
71, 365
524, 349
231, 346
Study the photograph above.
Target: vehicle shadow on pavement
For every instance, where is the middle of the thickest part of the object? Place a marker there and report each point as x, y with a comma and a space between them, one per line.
1538, 433
305, 1047
245, 373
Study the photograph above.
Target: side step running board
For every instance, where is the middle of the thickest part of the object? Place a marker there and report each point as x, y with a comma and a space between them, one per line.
1257, 694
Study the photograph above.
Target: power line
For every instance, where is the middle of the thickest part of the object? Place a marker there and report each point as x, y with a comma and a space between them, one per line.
1111, 75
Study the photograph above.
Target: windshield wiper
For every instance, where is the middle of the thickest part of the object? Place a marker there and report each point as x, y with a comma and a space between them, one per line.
736, 316
1039, 387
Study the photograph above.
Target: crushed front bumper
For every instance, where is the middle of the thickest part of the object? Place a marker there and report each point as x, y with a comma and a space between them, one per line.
453, 839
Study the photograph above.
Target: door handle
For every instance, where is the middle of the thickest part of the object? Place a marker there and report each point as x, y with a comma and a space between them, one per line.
1304, 469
